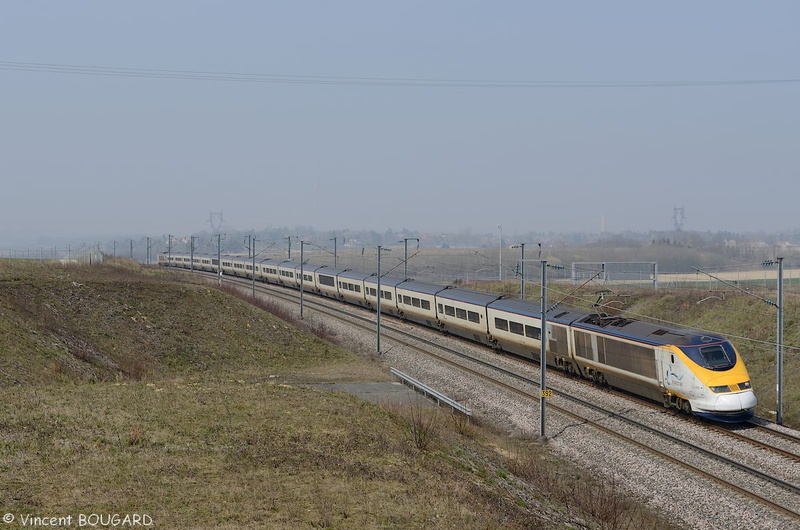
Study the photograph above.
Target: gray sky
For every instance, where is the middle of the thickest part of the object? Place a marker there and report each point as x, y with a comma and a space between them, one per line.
88, 154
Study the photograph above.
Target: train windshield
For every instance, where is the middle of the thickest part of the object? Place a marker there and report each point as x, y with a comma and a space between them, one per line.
715, 357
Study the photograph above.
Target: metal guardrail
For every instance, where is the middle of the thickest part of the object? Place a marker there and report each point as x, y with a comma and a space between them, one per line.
431, 393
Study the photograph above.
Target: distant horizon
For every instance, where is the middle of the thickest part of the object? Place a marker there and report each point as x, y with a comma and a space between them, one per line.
123, 240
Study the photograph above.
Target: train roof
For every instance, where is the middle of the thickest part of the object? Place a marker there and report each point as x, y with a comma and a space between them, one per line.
354, 275
529, 308
467, 296
386, 281
420, 287
647, 332
330, 271
307, 267
269, 261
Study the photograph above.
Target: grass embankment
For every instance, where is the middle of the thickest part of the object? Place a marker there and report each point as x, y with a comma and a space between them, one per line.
129, 390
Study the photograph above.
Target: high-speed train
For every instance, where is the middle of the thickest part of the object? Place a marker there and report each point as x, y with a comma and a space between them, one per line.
701, 374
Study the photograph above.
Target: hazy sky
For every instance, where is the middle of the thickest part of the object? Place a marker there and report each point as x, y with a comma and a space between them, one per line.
88, 154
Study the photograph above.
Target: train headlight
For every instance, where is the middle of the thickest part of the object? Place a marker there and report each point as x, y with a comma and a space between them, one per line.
745, 386
719, 389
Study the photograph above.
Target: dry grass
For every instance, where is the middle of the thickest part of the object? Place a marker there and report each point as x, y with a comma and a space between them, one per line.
421, 422
238, 454
191, 417
63, 324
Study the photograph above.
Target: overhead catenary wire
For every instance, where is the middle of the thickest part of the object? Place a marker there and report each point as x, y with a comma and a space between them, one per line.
339, 80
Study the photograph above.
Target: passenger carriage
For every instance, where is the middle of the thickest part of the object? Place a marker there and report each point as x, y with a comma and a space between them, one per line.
351, 287
388, 293
416, 301
286, 273
203, 263
305, 278
325, 279
267, 270
463, 312
227, 266
515, 325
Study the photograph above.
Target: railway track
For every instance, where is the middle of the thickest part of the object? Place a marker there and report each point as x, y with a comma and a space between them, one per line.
780, 494
783, 444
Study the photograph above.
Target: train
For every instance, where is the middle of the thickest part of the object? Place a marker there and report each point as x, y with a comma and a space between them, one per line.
696, 373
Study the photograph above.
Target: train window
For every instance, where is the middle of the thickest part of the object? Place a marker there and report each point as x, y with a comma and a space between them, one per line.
533, 333
715, 357
326, 280
406, 300
426, 305
461, 313
415, 302
358, 288
501, 323
515, 327
441, 309
472, 316
449, 310
387, 295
